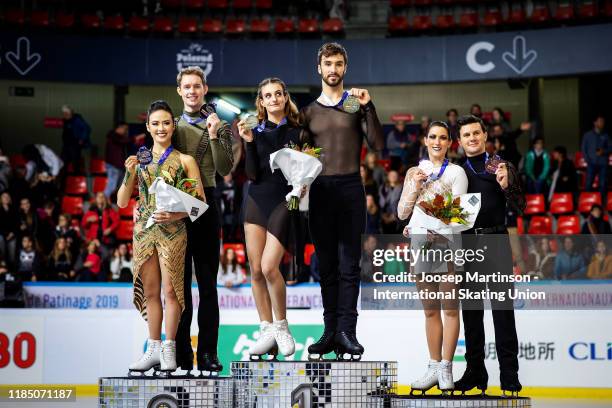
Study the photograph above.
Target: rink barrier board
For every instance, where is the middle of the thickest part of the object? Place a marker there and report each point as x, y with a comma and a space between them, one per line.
91, 390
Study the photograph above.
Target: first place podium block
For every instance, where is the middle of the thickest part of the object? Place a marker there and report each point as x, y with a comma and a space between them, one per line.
316, 384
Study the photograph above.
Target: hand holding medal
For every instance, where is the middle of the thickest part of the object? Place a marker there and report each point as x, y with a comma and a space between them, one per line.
493, 163
245, 128
501, 174
362, 95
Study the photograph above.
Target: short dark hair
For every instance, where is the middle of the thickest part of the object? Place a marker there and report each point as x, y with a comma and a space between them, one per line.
475, 105
448, 112
561, 150
596, 206
468, 120
332, 48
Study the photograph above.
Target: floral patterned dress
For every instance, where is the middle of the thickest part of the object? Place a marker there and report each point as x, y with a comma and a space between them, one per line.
168, 239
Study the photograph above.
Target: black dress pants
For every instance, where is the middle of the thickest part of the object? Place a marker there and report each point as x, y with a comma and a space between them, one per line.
203, 248
337, 220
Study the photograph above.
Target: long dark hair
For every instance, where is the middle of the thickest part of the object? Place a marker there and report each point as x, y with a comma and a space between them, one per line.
224, 260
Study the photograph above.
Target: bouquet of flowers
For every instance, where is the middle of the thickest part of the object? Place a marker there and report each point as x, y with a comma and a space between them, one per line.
300, 167
176, 196
445, 215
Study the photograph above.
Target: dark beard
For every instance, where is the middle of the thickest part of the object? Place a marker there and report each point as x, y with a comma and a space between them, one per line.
338, 83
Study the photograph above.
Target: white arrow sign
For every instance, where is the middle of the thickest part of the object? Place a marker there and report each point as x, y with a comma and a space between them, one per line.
520, 59
22, 60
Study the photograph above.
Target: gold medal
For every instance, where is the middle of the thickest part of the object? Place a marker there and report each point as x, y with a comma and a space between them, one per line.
351, 104
250, 122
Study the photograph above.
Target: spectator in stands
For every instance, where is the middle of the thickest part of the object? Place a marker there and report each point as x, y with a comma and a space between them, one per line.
369, 184
5, 172
595, 224
9, 227
75, 137
45, 234
100, 223
378, 172
19, 187
537, 167
29, 261
595, 149
72, 234
117, 142
228, 199
491, 146
476, 110
541, 260
44, 189
59, 265
91, 264
397, 145
121, 264
367, 256
600, 266
34, 162
508, 138
455, 151
231, 273
372, 216
28, 219
425, 121
569, 264
389, 196
563, 173
499, 118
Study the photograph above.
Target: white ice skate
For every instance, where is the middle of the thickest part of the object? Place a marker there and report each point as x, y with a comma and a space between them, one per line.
265, 344
149, 360
445, 376
283, 337
168, 356
429, 380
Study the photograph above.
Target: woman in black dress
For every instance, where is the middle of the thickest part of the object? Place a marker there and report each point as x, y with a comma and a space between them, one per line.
266, 219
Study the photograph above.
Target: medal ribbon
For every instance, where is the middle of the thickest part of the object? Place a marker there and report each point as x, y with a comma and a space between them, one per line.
164, 156
440, 173
191, 120
486, 160
262, 126
331, 103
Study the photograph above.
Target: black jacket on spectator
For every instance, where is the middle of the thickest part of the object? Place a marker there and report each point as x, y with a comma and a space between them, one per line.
59, 270
28, 265
567, 182
600, 226
9, 221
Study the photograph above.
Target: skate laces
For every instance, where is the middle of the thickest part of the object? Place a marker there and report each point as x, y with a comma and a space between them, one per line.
445, 370
150, 350
282, 332
168, 353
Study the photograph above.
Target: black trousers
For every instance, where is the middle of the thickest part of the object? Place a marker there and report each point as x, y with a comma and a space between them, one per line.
498, 258
203, 248
337, 220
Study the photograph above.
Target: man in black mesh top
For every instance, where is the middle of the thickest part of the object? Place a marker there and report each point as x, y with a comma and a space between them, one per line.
337, 122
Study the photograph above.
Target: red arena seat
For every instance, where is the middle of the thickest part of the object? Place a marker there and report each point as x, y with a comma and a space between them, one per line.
139, 24
99, 184
468, 20
536, 204
72, 205
579, 161
64, 20
333, 25
242, 4
516, 15
15, 16
91, 21
238, 249
218, 4
445, 21
568, 225
263, 4
187, 25
562, 203
260, 26
421, 23
564, 12
125, 231
586, 199
76, 185
587, 10
163, 24
540, 224
308, 25
492, 18
398, 24
540, 14
284, 26
40, 18
212, 26
114, 23
235, 26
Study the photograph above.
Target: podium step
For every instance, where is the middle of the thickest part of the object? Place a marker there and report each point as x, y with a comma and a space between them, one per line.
316, 384
449, 401
173, 392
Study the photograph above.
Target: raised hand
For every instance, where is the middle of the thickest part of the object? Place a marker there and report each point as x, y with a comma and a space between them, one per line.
501, 174
244, 132
213, 123
362, 94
